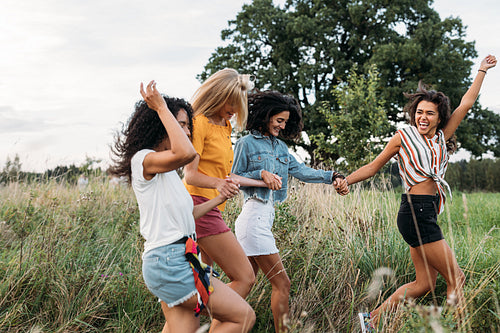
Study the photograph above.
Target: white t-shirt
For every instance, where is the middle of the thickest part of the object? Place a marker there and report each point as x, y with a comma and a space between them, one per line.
165, 206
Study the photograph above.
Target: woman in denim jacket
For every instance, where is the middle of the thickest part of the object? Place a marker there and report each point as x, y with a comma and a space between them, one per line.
261, 155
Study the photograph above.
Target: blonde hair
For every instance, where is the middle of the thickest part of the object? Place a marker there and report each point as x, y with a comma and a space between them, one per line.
225, 86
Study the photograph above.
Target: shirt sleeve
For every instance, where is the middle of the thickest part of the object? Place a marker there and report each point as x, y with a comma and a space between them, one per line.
136, 164
241, 163
307, 174
199, 134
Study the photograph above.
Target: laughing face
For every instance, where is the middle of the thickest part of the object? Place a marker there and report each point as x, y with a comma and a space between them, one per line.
277, 123
427, 118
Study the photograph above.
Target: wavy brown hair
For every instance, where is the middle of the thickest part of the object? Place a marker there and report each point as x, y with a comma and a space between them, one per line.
144, 130
443, 105
265, 104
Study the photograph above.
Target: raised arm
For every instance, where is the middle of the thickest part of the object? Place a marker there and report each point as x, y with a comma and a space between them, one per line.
370, 169
469, 98
181, 150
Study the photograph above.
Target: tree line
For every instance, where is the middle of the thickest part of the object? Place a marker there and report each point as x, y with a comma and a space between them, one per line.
11, 172
348, 62
465, 176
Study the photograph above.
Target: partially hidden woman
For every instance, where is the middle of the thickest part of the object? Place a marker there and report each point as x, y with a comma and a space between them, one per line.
153, 144
220, 98
263, 156
422, 151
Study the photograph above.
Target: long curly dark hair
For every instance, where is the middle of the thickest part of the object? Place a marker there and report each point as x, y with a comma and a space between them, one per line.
443, 105
144, 130
263, 105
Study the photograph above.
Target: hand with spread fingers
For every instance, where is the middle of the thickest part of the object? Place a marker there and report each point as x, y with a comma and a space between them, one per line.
153, 97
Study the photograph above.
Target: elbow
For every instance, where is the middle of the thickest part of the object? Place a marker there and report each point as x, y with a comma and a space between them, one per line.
188, 176
466, 103
185, 157
189, 156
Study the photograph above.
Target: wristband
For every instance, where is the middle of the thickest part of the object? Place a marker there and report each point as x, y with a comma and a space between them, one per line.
482, 70
337, 175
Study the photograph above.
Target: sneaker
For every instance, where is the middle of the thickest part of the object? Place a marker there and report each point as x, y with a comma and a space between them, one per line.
364, 319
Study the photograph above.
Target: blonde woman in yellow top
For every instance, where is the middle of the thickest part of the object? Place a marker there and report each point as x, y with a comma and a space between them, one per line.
220, 98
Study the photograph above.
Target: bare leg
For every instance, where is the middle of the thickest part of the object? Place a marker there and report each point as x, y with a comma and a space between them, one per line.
180, 318
226, 251
425, 281
272, 266
439, 258
229, 309
224, 305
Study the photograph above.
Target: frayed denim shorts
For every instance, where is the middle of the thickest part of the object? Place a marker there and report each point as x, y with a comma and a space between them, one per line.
168, 275
253, 228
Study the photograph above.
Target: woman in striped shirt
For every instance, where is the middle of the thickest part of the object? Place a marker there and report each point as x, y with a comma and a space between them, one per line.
422, 152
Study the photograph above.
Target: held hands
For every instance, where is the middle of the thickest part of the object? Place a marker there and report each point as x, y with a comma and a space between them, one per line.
272, 181
487, 63
340, 184
228, 187
153, 97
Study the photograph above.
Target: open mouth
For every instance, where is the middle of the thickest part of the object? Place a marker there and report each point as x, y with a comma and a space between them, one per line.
423, 125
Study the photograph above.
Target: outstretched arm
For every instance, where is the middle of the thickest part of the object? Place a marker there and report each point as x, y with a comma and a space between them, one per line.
374, 166
469, 98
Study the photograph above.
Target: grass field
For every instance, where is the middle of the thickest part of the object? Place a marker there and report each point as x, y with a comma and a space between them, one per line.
70, 261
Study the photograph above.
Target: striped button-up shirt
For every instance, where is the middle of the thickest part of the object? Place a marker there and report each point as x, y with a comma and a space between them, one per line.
421, 158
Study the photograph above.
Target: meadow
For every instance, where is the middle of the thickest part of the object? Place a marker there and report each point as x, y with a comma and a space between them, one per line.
71, 261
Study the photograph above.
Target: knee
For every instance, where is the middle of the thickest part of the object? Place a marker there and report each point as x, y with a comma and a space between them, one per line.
247, 280
249, 320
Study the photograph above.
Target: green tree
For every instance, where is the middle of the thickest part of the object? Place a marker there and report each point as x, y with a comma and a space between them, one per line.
307, 47
358, 124
12, 170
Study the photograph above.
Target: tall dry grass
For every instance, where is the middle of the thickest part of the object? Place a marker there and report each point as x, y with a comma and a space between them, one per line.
70, 261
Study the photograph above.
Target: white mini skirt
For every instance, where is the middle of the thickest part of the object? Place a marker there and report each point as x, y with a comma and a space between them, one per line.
253, 228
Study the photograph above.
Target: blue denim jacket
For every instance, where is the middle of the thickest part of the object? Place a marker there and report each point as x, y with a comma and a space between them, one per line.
256, 152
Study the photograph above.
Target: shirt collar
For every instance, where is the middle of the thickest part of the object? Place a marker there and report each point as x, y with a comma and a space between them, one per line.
258, 135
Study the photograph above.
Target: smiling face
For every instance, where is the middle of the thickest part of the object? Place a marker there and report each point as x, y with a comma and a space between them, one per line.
277, 123
227, 112
427, 118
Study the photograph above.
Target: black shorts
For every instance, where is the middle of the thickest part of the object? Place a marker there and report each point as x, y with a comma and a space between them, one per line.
425, 208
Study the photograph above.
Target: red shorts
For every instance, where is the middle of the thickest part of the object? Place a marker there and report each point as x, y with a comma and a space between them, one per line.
211, 223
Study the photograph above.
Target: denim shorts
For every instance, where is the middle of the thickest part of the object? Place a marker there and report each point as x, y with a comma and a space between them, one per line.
253, 228
425, 208
168, 275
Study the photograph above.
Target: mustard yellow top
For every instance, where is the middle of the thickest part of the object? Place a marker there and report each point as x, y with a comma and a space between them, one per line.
213, 144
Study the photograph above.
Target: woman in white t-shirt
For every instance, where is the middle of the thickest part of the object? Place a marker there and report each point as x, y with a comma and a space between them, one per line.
153, 144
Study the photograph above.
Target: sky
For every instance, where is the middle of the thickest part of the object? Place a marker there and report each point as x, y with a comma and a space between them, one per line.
70, 70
